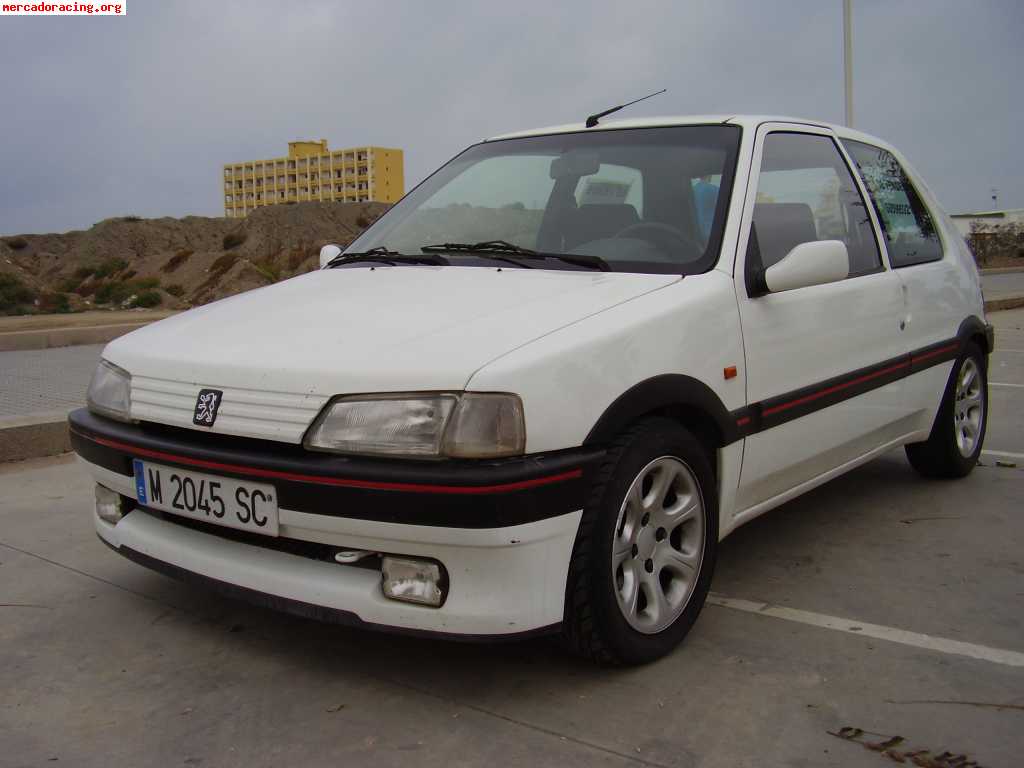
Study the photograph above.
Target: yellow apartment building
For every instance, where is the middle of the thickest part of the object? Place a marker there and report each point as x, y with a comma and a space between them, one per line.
311, 171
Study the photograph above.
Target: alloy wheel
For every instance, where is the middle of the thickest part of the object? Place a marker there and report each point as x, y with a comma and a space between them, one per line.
658, 545
969, 408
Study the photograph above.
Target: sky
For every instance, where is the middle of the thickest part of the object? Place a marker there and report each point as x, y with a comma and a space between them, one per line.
107, 116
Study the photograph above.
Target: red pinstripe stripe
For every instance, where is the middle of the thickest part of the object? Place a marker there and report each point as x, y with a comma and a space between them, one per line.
836, 388
338, 481
935, 352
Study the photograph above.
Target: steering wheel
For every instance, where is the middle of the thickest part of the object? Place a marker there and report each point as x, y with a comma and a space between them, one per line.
664, 236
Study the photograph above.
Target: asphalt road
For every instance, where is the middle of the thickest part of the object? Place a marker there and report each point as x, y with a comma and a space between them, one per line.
46, 380
895, 608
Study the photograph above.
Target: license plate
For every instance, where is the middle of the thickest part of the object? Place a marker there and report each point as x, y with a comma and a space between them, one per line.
219, 500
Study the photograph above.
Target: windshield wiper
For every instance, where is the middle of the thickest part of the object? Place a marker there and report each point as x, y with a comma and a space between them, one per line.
492, 249
385, 256
503, 246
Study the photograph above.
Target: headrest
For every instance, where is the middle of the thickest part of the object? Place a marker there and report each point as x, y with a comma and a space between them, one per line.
781, 227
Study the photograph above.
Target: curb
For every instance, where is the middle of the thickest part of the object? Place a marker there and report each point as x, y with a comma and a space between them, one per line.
1000, 270
64, 337
1007, 302
35, 436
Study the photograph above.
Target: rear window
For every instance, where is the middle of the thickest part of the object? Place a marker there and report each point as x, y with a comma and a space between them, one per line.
910, 232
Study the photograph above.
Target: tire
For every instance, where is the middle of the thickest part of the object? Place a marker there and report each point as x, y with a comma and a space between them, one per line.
613, 611
954, 445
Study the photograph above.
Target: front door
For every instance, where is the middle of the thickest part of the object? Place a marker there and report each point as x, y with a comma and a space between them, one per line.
825, 362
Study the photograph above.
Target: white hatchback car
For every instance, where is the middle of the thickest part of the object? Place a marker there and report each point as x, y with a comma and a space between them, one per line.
537, 393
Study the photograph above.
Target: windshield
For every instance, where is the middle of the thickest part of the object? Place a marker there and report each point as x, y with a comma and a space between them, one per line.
641, 200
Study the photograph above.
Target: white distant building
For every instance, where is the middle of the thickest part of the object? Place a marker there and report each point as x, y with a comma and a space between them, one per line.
964, 221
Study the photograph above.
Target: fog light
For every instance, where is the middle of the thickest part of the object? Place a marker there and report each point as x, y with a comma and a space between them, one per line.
109, 505
414, 581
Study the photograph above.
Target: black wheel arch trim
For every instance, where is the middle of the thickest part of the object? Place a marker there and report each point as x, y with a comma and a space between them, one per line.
975, 327
657, 393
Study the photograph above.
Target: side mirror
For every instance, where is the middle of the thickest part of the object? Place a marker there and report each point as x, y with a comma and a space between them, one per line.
327, 253
815, 263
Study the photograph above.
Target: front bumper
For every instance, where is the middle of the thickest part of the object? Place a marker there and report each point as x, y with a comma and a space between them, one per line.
504, 530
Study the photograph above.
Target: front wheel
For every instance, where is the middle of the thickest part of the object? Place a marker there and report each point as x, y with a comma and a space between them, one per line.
645, 552
954, 445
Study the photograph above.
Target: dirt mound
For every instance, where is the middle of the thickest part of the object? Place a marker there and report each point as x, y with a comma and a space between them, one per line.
173, 263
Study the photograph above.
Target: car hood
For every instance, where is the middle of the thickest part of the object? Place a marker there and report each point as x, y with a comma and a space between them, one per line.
370, 330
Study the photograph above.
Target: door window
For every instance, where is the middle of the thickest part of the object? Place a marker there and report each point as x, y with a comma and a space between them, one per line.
806, 193
909, 227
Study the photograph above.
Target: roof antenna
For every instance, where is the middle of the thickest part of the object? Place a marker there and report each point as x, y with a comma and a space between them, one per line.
592, 120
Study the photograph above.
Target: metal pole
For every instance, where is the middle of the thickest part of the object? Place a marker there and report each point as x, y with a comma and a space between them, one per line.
848, 61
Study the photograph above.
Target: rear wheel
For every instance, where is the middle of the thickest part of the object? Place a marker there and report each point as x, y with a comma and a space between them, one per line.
954, 445
645, 551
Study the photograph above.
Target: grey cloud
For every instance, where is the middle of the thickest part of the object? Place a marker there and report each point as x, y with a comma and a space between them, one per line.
105, 117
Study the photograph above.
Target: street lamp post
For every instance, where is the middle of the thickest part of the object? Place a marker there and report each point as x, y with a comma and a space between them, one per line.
848, 61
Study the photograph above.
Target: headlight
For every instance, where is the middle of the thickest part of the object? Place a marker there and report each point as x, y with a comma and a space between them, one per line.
110, 392
467, 425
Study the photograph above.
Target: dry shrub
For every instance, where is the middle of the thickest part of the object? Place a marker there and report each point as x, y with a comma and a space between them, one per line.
234, 239
109, 267
15, 296
176, 260
148, 299
54, 303
223, 263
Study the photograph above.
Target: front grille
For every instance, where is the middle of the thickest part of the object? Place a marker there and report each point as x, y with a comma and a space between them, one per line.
311, 550
279, 416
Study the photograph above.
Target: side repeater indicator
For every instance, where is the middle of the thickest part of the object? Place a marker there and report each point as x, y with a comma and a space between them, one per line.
729, 372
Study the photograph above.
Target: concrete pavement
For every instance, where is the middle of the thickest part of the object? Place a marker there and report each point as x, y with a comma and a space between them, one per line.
104, 663
1006, 387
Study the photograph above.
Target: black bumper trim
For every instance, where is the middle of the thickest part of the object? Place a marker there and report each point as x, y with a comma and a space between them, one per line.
306, 610
455, 494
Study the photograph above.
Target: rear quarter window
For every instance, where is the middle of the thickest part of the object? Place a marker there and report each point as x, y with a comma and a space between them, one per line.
909, 227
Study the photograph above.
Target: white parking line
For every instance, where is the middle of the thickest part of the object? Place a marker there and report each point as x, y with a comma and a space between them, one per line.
1003, 384
877, 631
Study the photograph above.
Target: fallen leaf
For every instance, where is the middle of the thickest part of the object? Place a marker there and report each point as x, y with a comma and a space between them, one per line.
881, 746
